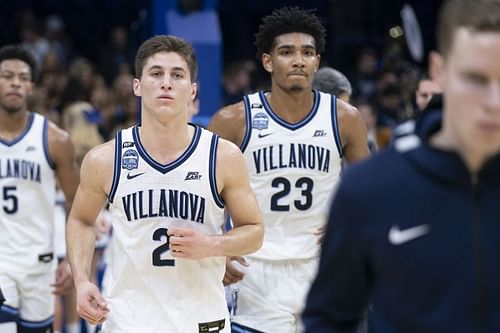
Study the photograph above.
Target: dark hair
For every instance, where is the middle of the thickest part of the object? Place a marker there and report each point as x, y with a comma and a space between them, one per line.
331, 81
17, 52
476, 15
288, 20
166, 43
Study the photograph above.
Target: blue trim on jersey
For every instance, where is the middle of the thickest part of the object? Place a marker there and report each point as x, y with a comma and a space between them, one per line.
31, 117
164, 168
248, 123
284, 123
212, 171
117, 166
238, 328
45, 136
36, 324
335, 126
9, 309
8, 314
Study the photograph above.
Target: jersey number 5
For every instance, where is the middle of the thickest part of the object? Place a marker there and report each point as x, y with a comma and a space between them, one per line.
305, 184
10, 199
159, 235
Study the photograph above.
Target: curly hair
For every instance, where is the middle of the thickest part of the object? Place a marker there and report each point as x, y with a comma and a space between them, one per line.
288, 20
17, 52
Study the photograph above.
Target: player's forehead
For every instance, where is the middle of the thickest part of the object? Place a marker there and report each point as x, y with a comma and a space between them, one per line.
15, 65
166, 61
294, 39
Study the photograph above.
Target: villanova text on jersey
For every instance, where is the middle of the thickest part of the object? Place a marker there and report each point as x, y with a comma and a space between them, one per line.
19, 168
292, 155
164, 203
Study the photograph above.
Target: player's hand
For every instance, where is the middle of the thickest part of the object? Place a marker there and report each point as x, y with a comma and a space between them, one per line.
190, 243
64, 280
320, 232
90, 305
233, 275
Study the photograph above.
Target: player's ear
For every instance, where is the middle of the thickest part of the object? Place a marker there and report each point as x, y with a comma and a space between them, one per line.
436, 67
137, 87
194, 90
318, 61
267, 62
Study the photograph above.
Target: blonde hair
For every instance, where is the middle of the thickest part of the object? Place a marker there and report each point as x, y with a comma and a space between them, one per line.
84, 134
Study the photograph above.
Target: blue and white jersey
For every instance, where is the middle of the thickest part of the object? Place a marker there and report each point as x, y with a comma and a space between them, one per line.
148, 290
27, 197
293, 170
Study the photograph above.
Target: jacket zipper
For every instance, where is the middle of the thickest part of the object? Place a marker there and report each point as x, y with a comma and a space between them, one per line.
480, 311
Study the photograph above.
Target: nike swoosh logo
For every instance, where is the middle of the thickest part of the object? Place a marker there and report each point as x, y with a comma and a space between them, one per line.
129, 176
398, 236
264, 135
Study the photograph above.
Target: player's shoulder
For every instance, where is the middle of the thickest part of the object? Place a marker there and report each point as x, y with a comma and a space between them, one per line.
231, 113
56, 134
101, 156
347, 112
229, 122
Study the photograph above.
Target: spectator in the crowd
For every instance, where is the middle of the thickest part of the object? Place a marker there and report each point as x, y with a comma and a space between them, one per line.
116, 56
426, 88
332, 81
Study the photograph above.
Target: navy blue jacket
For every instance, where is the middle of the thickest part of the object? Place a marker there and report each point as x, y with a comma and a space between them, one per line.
412, 233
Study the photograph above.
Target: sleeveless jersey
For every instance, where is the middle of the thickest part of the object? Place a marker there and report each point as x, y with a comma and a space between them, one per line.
27, 199
293, 171
148, 289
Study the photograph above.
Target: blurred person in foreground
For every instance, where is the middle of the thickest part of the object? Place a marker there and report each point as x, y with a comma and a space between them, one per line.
425, 247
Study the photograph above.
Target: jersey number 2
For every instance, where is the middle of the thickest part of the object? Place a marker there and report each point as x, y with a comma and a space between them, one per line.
305, 184
158, 235
9, 195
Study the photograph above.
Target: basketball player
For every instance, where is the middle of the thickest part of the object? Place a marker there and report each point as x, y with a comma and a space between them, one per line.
426, 258
34, 152
293, 139
167, 183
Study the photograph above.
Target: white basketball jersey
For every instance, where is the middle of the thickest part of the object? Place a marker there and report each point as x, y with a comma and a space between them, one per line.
149, 290
27, 199
293, 170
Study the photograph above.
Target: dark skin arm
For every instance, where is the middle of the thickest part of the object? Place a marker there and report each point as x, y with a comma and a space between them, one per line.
62, 152
353, 132
229, 123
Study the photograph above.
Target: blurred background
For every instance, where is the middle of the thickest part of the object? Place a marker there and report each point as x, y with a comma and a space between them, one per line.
380, 45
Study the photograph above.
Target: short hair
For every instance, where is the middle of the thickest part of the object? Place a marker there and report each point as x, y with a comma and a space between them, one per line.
331, 81
476, 15
289, 20
166, 43
17, 52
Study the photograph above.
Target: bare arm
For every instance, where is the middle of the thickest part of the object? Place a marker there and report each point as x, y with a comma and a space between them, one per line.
62, 153
353, 133
229, 123
232, 177
96, 175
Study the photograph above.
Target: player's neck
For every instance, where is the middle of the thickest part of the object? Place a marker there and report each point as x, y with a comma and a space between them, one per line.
165, 142
12, 124
291, 106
